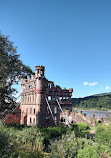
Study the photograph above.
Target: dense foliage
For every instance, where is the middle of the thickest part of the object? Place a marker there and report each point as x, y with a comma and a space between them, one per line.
95, 102
103, 135
80, 129
11, 69
56, 142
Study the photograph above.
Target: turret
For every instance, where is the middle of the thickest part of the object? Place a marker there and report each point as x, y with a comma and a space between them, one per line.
40, 92
39, 71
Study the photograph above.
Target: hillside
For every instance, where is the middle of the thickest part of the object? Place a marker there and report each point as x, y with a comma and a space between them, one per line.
99, 101
102, 94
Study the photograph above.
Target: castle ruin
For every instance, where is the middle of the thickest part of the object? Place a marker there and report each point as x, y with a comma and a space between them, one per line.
42, 102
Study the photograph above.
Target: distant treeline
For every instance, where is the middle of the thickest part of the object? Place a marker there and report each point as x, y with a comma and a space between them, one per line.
96, 102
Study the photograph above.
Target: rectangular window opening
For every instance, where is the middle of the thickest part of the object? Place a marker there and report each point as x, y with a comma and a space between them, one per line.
30, 120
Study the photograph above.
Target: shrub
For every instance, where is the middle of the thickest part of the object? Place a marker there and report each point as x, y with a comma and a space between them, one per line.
68, 146
27, 139
103, 134
53, 132
4, 141
89, 152
50, 134
24, 154
81, 129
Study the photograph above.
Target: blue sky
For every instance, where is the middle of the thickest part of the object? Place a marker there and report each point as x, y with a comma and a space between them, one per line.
72, 39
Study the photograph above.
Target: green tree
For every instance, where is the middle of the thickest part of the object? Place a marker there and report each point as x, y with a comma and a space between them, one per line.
96, 102
11, 69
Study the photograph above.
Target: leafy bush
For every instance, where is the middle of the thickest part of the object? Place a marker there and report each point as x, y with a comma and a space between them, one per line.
53, 132
94, 151
103, 135
81, 129
50, 134
29, 139
68, 146
4, 142
59, 142
17, 126
24, 154
26, 139
89, 152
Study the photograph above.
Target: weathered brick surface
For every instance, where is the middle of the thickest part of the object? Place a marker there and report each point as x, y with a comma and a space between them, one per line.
14, 117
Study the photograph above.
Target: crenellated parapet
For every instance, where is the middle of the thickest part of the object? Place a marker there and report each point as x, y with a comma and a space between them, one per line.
39, 71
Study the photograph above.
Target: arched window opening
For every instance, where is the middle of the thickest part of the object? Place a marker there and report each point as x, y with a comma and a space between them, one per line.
34, 111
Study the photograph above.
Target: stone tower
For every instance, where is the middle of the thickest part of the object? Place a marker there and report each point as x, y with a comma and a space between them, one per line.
40, 96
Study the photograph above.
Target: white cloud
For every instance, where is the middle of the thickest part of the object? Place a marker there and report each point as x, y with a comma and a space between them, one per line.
85, 83
107, 88
90, 84
93, 84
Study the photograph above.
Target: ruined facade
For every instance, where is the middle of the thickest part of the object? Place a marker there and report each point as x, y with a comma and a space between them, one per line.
40, 100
